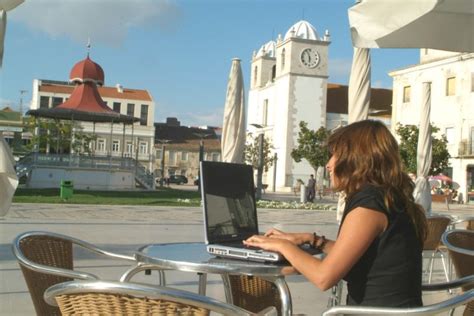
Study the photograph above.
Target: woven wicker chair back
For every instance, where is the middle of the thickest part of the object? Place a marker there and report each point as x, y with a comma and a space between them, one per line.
253, 293
48, 251
470, 224
436, 227
121, 304
463, 263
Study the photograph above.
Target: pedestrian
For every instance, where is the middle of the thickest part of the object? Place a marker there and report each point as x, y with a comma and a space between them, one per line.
311, 190
380, 241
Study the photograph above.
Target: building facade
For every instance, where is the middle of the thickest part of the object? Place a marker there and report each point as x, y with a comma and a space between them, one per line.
14, 133
180, 147
452, 105
288, 84
135, 141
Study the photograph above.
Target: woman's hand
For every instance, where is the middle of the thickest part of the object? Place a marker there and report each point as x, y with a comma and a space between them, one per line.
268, 243
294, 238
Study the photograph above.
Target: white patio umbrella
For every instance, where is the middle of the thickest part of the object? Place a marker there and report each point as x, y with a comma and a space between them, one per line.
233, 127
437, 24
8, 179
5, 5
422, 192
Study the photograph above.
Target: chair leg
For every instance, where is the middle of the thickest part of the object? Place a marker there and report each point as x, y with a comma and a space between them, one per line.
431, 263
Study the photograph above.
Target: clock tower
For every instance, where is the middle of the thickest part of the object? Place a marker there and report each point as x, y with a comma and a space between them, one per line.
288, 85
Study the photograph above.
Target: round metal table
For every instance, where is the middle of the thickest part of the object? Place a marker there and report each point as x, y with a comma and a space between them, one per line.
193, 257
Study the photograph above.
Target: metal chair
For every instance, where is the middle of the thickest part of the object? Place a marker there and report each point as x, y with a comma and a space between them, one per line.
437, 225
118, 298
47, 258
253, 293
460, 244
467, 223
455, 301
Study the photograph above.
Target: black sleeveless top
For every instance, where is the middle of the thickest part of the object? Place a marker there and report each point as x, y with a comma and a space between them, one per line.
389, 273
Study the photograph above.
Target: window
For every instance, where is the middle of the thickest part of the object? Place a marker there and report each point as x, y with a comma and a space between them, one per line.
255, 73
130, 109
116, 107
144, 114
451, 86
274, 70
101, 144
471, 141
449, 132
172, 157
116, 146
215, 156
159, 153
472, 82
44, 102
265, 113
283, 52
57, 101
406, 94
184, 156
129, 147
143, 148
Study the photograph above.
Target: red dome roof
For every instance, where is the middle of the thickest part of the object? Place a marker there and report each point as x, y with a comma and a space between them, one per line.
87, 70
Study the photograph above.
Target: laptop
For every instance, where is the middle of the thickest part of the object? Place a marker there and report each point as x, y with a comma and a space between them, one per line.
230, 214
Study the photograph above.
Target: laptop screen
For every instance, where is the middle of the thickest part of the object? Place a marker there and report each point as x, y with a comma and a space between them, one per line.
228, 195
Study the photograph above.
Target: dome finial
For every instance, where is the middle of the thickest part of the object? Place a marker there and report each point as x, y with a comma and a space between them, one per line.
88, 46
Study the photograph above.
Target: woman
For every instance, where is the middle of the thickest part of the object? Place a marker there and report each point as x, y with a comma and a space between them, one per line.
380, 240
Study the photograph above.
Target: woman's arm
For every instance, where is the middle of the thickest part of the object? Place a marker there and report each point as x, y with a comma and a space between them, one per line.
358, 231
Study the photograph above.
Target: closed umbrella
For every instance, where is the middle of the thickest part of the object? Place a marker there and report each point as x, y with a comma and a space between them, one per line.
233, 127
5, 5
422, 191
358, 100
8, 179
359, 86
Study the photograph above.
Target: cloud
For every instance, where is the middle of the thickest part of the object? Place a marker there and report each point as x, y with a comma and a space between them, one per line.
103, 21
340, 68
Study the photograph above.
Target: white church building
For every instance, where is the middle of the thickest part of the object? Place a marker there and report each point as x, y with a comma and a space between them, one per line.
288, 85
452, 106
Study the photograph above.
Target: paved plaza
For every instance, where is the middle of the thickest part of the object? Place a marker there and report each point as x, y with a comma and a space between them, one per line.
125, 228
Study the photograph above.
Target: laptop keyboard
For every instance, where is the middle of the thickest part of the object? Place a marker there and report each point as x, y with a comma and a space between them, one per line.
241, 245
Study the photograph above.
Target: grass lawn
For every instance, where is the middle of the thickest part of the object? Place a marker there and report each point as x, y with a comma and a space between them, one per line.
163, 196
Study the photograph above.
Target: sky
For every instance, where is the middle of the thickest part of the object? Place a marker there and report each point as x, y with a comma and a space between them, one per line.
180, 51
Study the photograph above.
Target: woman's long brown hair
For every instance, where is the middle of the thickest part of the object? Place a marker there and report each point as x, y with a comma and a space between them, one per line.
367, 153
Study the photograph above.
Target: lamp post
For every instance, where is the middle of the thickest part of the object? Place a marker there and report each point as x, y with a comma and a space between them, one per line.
201, 154
163, 148
258, 193
275, 159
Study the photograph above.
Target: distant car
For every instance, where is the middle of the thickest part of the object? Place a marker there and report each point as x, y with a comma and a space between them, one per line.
178, 179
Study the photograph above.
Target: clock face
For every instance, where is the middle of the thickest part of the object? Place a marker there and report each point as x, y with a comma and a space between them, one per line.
309, 57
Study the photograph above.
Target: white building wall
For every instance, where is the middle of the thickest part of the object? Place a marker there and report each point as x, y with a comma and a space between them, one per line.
456, 111
83, 179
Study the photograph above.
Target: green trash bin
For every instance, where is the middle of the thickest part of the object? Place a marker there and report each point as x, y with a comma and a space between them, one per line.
66, 190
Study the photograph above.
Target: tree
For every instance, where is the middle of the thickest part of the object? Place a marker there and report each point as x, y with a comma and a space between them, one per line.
251, 152
57, 133
312, 146
408, 148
